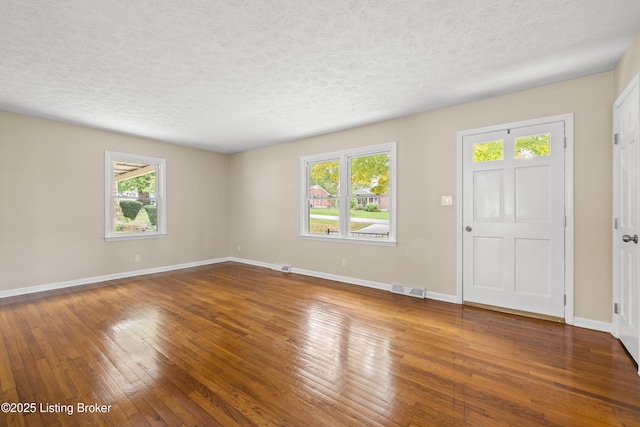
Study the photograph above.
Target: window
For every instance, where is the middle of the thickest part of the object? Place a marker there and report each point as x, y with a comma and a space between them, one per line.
533, 146
134, 196
523, 148
350, 195
488, 151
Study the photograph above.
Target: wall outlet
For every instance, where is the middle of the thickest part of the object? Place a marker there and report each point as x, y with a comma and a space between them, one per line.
137, 258
344, 262
447, 200
239, 248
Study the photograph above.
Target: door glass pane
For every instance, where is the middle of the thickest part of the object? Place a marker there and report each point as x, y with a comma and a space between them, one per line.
322, 197
488, 151
532, 146
369, 197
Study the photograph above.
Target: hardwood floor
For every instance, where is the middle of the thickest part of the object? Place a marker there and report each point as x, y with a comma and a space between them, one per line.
231, 344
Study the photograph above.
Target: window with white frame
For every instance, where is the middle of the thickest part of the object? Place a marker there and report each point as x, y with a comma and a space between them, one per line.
134, 196
350, 195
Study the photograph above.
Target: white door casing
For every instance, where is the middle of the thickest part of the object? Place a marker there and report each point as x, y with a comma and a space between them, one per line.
626, 211
515, 217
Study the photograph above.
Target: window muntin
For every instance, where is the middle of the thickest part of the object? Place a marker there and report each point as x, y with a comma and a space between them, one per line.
134, 196
350, 195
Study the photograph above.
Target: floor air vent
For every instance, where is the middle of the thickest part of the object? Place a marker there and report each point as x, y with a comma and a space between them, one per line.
281, 267
407, 290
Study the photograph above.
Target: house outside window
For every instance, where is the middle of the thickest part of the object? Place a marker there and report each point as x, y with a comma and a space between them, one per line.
135, 202
350, 195
321, 196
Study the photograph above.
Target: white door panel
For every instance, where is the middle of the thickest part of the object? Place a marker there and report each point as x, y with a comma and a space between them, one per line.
488, 191
532, 187
626, 210
488, 263
532, 267
513, 213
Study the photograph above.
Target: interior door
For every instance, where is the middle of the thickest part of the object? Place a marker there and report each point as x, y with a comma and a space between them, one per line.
513, 215
626, 256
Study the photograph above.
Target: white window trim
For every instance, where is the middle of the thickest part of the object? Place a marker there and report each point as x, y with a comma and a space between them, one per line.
345, 175
160, 164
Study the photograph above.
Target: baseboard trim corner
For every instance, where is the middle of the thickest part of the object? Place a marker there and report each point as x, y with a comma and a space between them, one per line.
595, 325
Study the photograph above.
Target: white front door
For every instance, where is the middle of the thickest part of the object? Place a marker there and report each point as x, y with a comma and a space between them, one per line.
626, 211
513, 218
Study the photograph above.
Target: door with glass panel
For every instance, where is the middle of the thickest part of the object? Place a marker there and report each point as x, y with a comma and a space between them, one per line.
513, 245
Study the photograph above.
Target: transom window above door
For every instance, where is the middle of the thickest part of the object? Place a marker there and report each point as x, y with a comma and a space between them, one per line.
524, 147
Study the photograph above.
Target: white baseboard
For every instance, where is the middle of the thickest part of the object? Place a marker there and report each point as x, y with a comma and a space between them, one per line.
337, 278
343, 279
441, 297
579, 322
250, 262
98, 279
350, 280
595, 325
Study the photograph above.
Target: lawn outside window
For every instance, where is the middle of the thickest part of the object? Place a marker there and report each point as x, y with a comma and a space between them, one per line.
350, 195
135, 203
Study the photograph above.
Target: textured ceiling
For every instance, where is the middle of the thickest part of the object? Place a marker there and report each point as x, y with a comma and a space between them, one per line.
232, 75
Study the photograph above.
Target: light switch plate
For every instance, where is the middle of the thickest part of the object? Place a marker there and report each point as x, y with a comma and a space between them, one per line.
447, 200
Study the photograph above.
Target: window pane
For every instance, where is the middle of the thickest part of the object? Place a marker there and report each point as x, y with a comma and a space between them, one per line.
322, 197
488, 151
134, 198
532, 146
369, 197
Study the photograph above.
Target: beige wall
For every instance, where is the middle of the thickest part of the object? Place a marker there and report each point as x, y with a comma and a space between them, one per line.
52, 204
265, 193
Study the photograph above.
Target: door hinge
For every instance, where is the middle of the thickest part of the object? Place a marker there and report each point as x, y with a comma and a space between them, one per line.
565, 221
615, 308
565, 299
615, 139
615, 223
565, 142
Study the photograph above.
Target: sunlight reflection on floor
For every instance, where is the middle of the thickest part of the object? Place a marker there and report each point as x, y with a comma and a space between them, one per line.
345, 358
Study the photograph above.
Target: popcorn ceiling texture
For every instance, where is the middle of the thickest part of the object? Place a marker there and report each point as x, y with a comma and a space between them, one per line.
235, 75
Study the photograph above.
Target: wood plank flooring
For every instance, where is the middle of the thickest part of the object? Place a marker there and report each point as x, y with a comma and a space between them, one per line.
231, 344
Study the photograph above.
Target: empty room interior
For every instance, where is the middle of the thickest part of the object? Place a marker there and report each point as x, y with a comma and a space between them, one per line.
320, 213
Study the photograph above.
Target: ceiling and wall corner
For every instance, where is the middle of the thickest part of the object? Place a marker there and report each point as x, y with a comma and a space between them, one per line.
230, 76
628, 66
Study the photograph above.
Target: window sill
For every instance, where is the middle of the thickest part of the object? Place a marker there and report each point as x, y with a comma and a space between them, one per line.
374, 242
116, 237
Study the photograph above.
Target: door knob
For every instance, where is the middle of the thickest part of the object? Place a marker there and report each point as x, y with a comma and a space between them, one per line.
468, 228
626, 238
